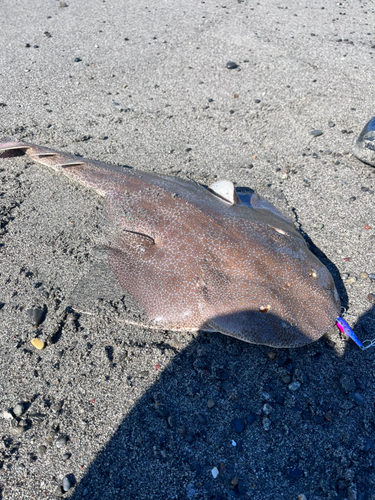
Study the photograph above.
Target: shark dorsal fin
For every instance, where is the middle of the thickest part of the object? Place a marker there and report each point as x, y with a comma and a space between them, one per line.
226, 191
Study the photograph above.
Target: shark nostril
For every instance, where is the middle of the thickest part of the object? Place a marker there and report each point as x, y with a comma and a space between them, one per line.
313, 273
264, 309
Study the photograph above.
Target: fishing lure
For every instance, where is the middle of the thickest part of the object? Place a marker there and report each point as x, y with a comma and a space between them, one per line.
343, 326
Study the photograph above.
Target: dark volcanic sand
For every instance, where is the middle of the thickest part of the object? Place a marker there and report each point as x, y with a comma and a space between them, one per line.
146, 84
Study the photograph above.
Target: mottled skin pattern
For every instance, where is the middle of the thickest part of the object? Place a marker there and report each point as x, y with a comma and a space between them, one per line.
195, 261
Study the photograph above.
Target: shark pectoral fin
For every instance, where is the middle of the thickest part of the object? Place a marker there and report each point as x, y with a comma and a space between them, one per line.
226, 191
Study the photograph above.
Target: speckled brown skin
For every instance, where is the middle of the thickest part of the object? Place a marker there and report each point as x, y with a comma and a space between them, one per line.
194, 261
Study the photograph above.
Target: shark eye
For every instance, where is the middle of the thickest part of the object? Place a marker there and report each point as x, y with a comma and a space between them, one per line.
313, 273
264, 309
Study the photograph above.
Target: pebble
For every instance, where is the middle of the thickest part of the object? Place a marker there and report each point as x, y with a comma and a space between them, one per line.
272, 355
286, 379
331, 124
38, 344
7, 415
266, 423
66, 456
364, 276
18, 409
257, 101
36, 315
67, 483
42, 450
372, 276
250, 419
215, 472
294, 386
61, 441
301, 496
357, 398
77, 59
210, 403
316, 133
238, 424
17, 431
296, 472
371, 298
231, 65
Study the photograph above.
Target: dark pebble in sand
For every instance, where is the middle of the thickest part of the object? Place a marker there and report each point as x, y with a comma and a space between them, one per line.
77, 59
231, 65
36, 315
316, 133
231, 111
371, 297
331, 124
372, 276
296, 472
357, 398
238, 424
250, 419
210, 100
257, 101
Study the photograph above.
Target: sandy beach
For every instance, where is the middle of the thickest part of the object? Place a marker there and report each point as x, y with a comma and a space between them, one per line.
112, 410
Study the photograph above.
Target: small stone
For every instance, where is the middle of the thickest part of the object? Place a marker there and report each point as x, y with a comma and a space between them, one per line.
215, 472
266, 423
351, 280
42, 450
17, 431
7, 415
47, 34
267, 409
364, 276
38, 344
231, 65
210, 403
18, 409
251, 418
36, 315
357, 398
372, 276
286, 379
67, 483
272, 355
301, 496
238, 424
316, 133
61, 441
296, 472
294, 386
63, 4
77, 59
371, 298
331, 124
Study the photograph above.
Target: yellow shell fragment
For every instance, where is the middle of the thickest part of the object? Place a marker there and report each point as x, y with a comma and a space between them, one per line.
39, 344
